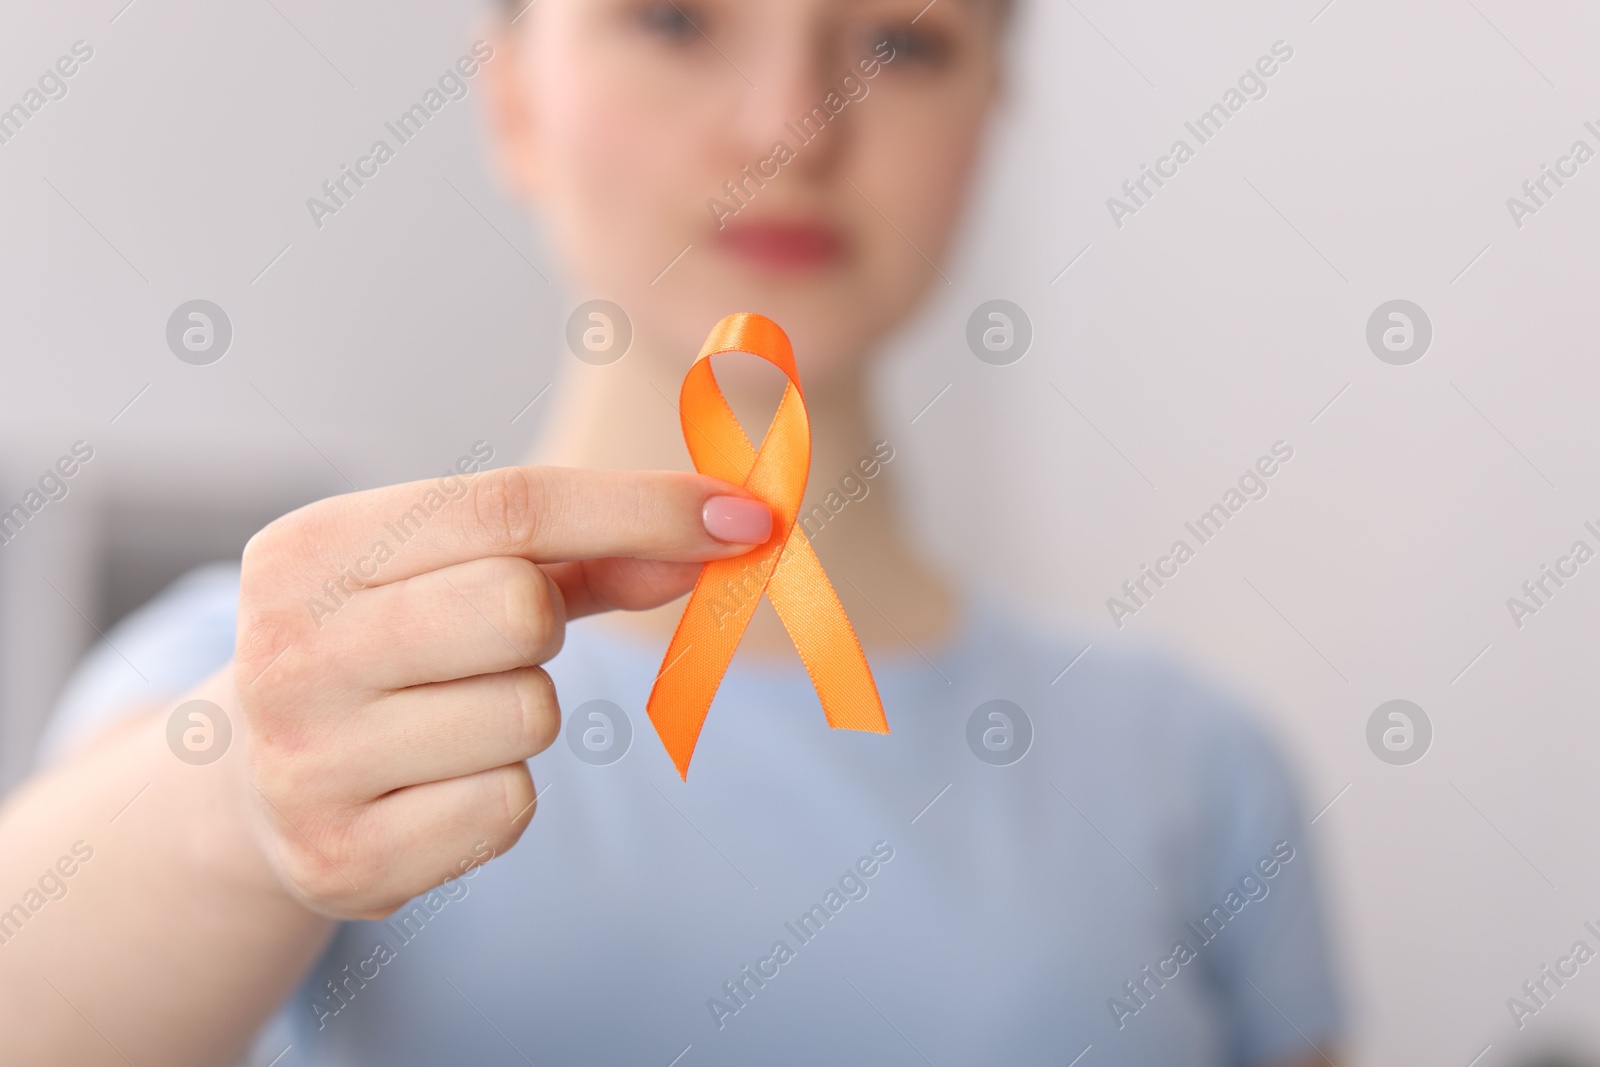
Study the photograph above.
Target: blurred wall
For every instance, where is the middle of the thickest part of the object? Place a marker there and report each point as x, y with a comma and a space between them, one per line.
1175, 341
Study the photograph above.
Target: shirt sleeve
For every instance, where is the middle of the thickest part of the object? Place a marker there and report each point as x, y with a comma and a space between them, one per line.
157, 653
1270, 958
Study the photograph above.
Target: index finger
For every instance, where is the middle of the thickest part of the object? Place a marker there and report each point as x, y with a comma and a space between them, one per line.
544, 514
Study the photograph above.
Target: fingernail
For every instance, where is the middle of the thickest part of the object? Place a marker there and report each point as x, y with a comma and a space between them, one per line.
737, 520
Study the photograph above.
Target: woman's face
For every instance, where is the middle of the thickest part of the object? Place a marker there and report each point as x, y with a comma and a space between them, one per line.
805, 159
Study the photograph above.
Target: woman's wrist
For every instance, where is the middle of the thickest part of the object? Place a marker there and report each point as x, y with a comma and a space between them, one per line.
196, 749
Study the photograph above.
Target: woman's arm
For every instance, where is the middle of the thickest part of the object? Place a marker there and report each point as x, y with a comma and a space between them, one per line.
375, 741
174, 940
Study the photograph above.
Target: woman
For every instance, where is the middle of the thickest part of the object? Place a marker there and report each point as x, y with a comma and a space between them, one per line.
1136, 890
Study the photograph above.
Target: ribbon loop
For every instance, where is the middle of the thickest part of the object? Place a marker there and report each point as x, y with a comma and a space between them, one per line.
784, 569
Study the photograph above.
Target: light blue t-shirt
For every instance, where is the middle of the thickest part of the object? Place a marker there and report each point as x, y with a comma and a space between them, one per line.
1137, 888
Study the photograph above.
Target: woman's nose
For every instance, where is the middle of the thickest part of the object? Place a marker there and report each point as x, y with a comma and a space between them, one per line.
788, 72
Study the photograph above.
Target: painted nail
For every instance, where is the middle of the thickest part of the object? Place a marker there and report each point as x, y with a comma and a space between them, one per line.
737, 520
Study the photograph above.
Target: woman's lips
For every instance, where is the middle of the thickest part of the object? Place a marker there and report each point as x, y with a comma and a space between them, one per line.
783, 246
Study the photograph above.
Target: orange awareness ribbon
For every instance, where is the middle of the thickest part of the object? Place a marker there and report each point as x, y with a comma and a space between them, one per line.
784, 568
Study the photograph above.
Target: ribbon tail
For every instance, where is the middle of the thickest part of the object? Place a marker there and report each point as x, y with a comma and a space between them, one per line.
701, 648
810, 610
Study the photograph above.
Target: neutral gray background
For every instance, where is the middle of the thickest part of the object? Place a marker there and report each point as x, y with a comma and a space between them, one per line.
1223, 317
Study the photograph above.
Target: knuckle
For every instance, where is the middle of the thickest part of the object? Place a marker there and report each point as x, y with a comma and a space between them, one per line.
527, 608
515, 786
318, 857
283, 767
260, 550
538, 713
642, 507
264, 634
267, 623
284, 538
312, 878
506, 506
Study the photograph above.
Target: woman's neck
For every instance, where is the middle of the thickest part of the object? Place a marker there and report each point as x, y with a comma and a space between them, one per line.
625, 417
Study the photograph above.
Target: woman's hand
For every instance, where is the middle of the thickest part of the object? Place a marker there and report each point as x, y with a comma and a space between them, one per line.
389, 651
